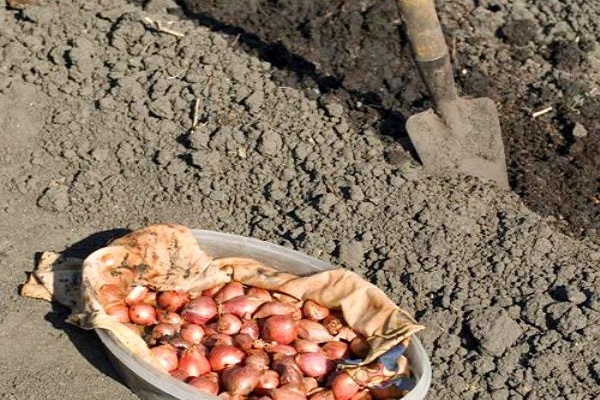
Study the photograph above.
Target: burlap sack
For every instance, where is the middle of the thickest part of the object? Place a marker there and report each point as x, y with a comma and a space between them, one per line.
168, 257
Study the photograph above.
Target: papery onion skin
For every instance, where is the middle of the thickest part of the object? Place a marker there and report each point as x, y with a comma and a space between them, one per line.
346, 333
136, 295
344, 387
274, 308
205, 384
241, 380
221, 357
314, 364
142, 314
194, 362
200, 310
314, 311
166, 356
229, 291
280, 328
150, 298
172, 300
229, 324
120, 312
313, 331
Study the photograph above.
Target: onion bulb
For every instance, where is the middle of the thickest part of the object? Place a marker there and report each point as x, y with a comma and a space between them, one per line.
313, 331
306, 346
136, 295
205, 384
268, 380
194, 362
168, 317
336, 350
200, 310
229, 324
287, 393
243, 341
242, 306
360, 347
166, 356
280, 328
172, 300
210, 292
250, 328
274, 308
314, 364
258, 358
192, 333
281, 349
314, 311
218, 339
221, 357
259, 293
164, 330
344, 387
241, 380
142, 314
229, 291
120, 312
322, 395
333, 324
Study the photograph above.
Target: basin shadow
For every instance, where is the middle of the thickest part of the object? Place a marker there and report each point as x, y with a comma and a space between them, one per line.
86, 342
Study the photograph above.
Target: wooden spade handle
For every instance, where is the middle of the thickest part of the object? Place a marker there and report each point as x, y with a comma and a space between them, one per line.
431, 52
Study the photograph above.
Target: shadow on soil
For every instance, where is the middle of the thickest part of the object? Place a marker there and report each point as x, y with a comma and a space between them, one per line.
390, 122
86, 342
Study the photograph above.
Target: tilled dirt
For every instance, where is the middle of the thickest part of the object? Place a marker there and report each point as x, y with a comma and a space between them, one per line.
96, 109
526, 55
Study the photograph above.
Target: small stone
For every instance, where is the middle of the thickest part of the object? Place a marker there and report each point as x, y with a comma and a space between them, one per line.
269, 143
163, 157
579, 131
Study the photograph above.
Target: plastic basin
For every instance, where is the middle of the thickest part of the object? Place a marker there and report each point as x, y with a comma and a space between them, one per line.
150, 384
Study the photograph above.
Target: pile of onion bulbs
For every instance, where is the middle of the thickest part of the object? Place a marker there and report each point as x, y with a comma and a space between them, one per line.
246, 342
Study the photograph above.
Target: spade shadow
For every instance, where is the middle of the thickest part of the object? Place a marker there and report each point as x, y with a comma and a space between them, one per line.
86, 342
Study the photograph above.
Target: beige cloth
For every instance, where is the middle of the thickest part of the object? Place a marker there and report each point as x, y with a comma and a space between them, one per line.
168, 257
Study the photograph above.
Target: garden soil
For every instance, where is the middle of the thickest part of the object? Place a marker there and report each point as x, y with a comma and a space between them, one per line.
526, 55
96, 115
